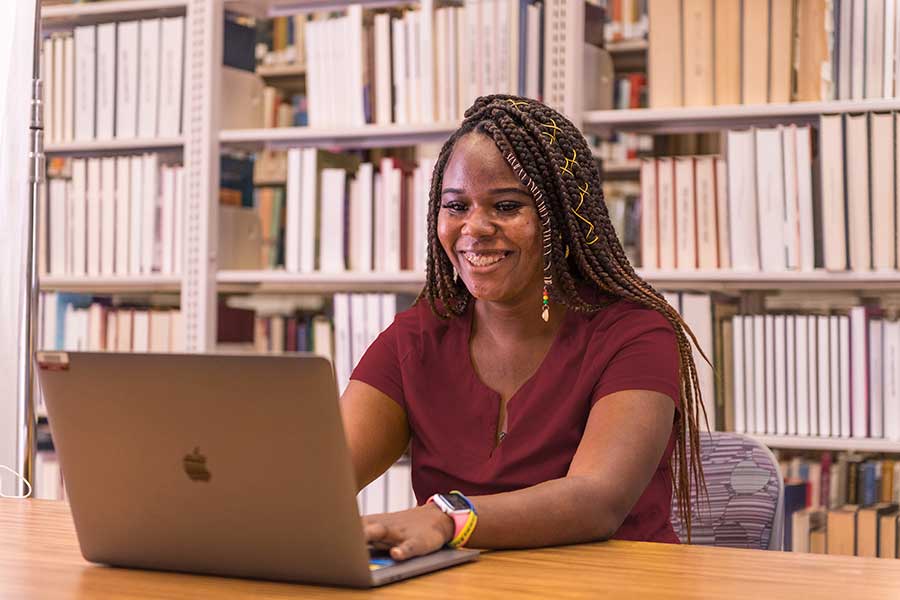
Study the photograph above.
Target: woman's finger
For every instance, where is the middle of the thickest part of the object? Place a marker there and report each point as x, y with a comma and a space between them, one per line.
407, 549
375, 532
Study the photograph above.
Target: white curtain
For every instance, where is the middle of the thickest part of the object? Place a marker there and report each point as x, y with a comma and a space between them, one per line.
16, 56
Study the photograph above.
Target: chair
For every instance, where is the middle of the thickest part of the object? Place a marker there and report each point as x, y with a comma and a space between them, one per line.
746, 495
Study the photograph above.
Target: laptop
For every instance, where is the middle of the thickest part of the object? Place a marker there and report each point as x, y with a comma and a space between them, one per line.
214, 464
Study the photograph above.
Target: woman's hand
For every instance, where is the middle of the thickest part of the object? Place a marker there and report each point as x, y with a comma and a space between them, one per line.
414, 532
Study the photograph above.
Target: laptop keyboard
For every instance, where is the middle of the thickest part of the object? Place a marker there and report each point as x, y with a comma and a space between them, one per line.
380, 559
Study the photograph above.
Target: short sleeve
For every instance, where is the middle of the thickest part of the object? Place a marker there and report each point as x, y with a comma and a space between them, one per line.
380, 366
645, 357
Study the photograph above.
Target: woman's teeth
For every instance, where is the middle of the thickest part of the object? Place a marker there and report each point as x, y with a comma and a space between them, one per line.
483, 260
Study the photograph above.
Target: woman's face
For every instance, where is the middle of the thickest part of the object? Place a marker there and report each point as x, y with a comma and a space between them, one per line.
488, 224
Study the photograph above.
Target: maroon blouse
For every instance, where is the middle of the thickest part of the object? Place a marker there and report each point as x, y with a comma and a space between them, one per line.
423, 363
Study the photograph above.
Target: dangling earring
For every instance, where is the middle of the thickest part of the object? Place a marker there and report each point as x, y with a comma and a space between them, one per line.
455, 276
545, 310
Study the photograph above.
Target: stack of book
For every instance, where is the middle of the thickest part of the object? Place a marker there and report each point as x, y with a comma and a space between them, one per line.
114, 80
626, 20
113, 216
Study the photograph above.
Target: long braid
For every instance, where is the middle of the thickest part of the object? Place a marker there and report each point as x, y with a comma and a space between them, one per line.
549, 153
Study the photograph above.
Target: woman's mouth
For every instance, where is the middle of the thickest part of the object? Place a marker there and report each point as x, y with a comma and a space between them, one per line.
485, 259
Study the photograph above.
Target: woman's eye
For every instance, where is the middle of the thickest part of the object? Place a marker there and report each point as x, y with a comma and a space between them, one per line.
508, 206
454, 206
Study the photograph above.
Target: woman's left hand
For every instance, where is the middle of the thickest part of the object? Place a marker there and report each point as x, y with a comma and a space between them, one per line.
414, 532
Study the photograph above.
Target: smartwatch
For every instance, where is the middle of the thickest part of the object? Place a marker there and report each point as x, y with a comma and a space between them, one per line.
460, 509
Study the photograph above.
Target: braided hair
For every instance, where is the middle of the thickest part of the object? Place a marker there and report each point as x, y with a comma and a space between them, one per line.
551, 157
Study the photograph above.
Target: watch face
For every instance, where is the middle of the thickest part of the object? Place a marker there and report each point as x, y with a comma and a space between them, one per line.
455, 502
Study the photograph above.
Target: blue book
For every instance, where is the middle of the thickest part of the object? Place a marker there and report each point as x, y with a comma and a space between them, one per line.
794, 500
64, 301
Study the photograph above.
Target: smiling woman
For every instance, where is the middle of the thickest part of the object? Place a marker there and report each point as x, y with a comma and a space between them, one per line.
545, 390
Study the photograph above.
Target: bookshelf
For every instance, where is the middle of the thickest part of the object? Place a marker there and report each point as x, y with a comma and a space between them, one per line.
729, 280
112, 285
706, 118
116, 146
797, 442
89, 13
368, 136
267, 281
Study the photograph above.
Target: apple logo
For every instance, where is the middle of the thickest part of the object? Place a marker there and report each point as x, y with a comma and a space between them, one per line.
195, 466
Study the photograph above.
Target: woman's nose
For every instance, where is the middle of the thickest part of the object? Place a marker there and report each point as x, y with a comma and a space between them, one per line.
478, 223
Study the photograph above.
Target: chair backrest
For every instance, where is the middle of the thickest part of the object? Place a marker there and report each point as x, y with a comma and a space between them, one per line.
746, 495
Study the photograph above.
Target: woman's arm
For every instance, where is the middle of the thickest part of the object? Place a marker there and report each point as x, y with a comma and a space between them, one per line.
624, 440
376, 429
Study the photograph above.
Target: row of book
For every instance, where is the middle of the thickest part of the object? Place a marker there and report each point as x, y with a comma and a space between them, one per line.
625, 20
113, 216
754, 52
114, 80
79, 322
344, 215
818, 375
622, 147
831, 481
849, 530
420, 66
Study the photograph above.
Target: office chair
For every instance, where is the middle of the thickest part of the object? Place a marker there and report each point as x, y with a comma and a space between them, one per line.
746, 495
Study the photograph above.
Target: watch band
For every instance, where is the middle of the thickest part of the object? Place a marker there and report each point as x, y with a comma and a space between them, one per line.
463, 521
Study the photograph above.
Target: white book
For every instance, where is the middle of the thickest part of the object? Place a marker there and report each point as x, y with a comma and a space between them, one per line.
487, 27
874, 49
399, 486
398, 66
331, 249
59, 233
127, 79
876, 378
293, 220
160, 328
858, 219
697, 313
373, 318
790, 365
884, 203
342, 343
474, 52
94, 216
312, 73
49, 314
180, 207
140, 335
834, 358
532, 52
803, 355
771, 386
391, 180
858, 51
125, 329
804, 197
759, 374
791, 198
844, 23
167, 218
388, 310
665, 193
892, 380
890, 16
452, 67
413, 66
96, 332
353, 48
136, 211
149, 199
376, 496
85, 82
309, 199
123, 215
379, 241
420, 215
705, 194
176, 332
70, 224
502, 26
148, 78
740, 422
442, 47
362, 220
844, 333
108, 216
106, 80
383, 92
781, 376
323, 338
813, 332
112, 330
770, 193
515, 29
170, 76
824, 385
831, 146
57, 44
427, 72
358, 328
685, 214
723, 227
48, 77
68, 114
649, 215
743, 230
463, 61
895, 62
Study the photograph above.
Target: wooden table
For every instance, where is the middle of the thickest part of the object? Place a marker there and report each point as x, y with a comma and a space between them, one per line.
39, 558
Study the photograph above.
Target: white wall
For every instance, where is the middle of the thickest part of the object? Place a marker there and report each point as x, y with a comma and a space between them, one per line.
16, 43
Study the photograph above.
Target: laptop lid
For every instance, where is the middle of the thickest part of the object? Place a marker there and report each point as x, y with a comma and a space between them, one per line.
227, 465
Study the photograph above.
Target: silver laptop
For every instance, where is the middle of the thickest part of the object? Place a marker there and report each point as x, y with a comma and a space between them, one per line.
224, 465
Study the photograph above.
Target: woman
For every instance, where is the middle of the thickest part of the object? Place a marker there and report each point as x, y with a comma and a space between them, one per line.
541, 378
